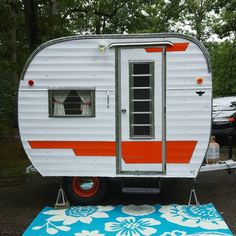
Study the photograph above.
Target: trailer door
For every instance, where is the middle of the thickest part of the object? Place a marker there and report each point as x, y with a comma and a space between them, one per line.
140, 111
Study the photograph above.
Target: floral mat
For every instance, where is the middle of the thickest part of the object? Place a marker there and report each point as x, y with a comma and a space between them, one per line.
131, 220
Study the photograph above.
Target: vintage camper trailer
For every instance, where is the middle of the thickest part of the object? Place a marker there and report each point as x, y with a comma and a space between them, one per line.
101, 106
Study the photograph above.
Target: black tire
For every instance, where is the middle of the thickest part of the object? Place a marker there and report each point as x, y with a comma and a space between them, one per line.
74, 195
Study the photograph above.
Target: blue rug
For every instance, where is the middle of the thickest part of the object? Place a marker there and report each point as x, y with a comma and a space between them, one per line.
131, 220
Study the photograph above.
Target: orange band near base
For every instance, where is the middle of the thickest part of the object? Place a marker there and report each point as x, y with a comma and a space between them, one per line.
133, 152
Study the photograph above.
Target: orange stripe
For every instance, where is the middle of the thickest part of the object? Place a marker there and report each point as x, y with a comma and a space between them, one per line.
80, 148
142, 152
177, 47
95, 149
150, 152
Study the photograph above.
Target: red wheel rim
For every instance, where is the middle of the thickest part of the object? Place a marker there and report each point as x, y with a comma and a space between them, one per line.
77, 183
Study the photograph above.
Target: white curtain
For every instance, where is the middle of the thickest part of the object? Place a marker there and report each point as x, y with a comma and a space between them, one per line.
86, 108
59, 96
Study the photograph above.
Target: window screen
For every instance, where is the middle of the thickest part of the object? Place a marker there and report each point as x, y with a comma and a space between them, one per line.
72, 103
141, 99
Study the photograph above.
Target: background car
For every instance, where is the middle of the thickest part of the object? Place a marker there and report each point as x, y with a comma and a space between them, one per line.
224, 113
224, 119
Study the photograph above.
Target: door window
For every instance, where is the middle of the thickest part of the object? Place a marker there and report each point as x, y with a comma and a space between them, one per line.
141, 99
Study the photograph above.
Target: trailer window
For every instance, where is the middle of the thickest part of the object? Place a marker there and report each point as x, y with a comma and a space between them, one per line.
141, 99
72, 103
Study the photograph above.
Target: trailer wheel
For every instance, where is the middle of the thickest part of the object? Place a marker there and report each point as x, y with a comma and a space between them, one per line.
85, 190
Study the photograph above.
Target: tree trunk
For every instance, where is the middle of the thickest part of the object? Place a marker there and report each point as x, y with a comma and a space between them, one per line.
12, 39
14, 75
30, 9
98, 26
54, 8
103, 24
55, 20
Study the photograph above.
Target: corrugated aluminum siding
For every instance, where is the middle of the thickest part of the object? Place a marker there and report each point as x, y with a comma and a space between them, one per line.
78, 64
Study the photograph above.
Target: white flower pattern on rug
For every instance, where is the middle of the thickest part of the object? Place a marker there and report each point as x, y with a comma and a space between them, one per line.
183, 233
132, 220
89, 233
140, 210
174, 233
204, 216
128, 226
84, 214
52, 228
209, 234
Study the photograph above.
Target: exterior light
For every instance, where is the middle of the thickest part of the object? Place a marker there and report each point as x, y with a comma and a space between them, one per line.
102, 48
231, 119
30, 82
199, 80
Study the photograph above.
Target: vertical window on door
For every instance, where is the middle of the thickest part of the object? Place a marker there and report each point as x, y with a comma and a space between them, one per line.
141, 86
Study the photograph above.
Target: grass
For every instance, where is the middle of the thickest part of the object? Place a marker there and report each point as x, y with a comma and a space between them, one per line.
13, 160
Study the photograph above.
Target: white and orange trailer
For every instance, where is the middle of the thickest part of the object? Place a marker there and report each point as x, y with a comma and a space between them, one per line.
101, 106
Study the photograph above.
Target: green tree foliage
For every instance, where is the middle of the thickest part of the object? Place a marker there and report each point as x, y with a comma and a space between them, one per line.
226, 26
115, 16
197, 17
223, 58
160, 16
8, 62
100, 16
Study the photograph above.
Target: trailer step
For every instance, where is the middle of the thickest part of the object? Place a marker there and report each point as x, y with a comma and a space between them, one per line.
141, 190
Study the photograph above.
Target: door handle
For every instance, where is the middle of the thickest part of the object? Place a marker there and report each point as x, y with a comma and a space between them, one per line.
123, 110
108, 98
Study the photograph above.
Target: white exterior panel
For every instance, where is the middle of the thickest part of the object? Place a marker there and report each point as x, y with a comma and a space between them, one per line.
77, 63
